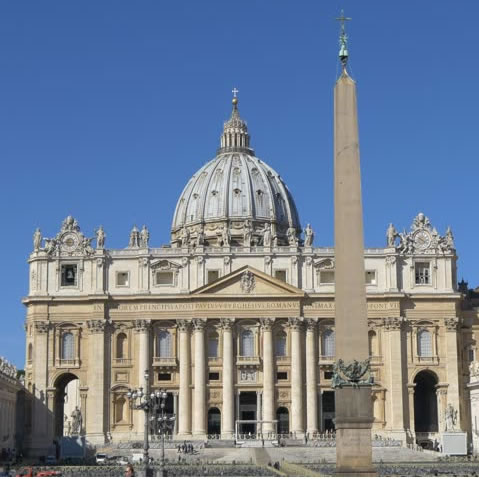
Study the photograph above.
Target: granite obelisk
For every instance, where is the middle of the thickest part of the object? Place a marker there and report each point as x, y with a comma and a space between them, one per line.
351, 373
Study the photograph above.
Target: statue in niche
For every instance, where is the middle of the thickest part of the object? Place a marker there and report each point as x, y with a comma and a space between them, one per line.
200, 237
267, 235
451, 417
134, 238
37, 240
144, 237
292, 238
76, 421
100, 237
247, 233
308, 236
185, 237
391, 235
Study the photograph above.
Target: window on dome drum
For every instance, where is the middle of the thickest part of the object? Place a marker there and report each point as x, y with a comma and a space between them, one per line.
68, 346
247, 343
164, 344
123, 278
280, 274
280, 344
214, 376
213, 275
281, 375
213, 346
69, 275
423, 273
371, 278
424, 343
329, 347
164, 278
326, 277
164, 376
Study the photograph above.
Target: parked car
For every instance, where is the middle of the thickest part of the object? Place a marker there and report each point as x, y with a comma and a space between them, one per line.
101, 458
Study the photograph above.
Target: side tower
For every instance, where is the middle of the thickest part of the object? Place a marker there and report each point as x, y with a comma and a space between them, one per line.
352, 371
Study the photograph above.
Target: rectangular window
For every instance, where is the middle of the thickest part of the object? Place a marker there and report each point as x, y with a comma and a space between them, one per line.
123, 278
423, 273
213, 275
69, 275
164, 377
371, 278
280, 274
326, 277
281, 375
214, 376
328, 374
471, 355
164, 278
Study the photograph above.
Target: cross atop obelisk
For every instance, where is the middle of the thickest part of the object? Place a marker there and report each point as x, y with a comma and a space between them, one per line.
343, 39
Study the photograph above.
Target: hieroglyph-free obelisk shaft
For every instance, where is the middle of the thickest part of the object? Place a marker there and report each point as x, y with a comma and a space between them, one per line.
351, 377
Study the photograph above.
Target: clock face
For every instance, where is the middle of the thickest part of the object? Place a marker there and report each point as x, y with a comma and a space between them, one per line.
70, 242
422, 239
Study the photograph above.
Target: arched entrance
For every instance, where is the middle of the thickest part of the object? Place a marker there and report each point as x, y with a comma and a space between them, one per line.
282, 415
214, 421
67, 399
425, 402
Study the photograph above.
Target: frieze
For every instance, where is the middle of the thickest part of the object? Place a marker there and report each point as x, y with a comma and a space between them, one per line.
247, 376
372, 306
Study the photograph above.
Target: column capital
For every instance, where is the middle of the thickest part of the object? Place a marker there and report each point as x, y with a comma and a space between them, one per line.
142, 325
198, 324
296, 323
311, 324
96, 326
42, 327
227, 323
183, 324
266, 323
451, 324
393, 324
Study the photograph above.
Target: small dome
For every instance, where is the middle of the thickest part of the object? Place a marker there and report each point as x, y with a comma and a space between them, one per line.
234, 188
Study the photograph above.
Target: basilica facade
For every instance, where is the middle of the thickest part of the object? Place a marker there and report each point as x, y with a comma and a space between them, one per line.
235, 320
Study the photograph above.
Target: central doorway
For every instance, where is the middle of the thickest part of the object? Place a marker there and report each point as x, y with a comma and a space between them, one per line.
248, 410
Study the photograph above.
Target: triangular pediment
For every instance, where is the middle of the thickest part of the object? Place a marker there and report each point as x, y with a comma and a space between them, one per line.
248, 282
164, 264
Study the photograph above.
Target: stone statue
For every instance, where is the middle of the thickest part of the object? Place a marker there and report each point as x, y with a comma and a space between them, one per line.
267, 235
87, 247
37, 240
134, 238
308, 236
247, 233
391, 235
144, 237
225, 235
50, 245
69, 428
200, 237
275, 241
100, 237
420, 221
451, 417
185, 237
449, 238
292, 238
76, 421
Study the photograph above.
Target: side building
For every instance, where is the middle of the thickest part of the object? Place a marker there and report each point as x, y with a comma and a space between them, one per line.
235, 320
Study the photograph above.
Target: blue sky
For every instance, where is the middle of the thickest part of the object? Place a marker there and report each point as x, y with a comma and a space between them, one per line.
107, 108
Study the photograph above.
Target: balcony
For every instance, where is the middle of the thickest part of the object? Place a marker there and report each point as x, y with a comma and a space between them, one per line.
248, 361
430, 360
67, 363
164, 362
215, 361
123, 362
375, 359
327, 359
283, 359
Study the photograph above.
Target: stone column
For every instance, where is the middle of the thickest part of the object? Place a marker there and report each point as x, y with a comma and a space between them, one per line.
441, 395
199, 417
452, 367
142, 328
297, 427
311, 378
228, 410
268, 375
394, 363
184, 409
473, 387
412, 428
175, 412
95, 424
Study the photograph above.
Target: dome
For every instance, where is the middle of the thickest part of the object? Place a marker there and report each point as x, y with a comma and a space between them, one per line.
233, 194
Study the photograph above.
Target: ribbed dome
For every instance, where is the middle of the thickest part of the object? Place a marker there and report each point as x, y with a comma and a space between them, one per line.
234, 187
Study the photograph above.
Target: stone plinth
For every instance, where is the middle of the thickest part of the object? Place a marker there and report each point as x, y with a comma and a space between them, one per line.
454, 443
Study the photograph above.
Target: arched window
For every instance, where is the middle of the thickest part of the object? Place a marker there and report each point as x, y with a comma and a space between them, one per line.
30, 352
68, 346
373, 344
121, 349
424, 343
247, 343
164, 344
329, 347
280, 344
213, 345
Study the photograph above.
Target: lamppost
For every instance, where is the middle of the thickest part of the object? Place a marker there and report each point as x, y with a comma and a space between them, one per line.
152, 404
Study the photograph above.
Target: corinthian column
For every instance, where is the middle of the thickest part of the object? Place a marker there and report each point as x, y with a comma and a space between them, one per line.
227, 423
142, 328
199, 418
184, 407
297, 426
268, 374
311, 378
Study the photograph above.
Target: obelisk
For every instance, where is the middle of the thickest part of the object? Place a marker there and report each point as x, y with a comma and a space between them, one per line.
351, 373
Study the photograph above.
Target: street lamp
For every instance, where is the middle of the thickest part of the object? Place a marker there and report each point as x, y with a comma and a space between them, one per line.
152, 405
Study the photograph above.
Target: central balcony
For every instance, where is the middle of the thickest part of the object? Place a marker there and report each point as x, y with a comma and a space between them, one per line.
248, 360
165, 362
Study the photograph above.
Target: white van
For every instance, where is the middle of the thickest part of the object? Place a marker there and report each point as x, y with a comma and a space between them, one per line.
101, 458
137, 457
